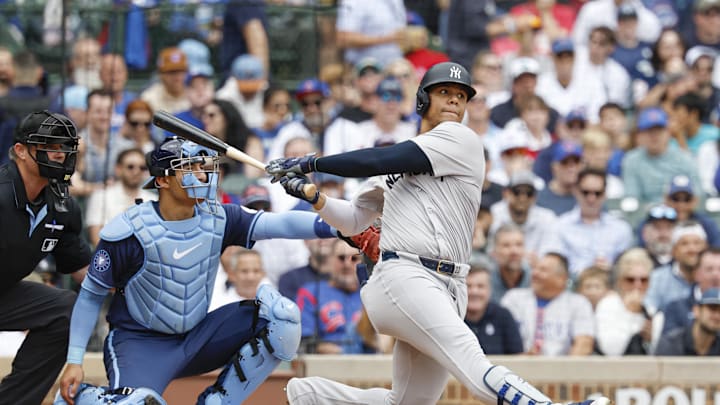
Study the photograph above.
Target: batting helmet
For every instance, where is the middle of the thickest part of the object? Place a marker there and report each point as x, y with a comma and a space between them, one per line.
445, 72
46, 128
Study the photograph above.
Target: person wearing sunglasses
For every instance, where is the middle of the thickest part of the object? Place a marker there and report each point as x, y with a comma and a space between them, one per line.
104, 204
330, 309
385, 127
655, 233
588, 235
312, 95
682, 197
624, 325
519, 207
137, 127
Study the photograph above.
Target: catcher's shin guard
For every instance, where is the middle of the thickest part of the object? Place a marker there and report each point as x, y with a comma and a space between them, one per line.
91, 395
256, 359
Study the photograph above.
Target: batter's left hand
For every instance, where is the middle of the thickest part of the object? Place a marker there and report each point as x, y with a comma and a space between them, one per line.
294, 184
280, 167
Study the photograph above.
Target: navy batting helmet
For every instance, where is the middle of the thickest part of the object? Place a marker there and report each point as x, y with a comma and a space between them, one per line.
445, 72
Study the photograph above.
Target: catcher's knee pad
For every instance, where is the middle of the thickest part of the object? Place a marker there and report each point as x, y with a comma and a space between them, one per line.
283, 328
248, 368
512, 389
91, 395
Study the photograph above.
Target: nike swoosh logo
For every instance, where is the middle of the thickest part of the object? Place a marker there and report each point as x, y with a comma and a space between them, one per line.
179, 255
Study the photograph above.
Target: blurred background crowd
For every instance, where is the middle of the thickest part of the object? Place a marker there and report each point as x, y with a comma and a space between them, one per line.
598, 231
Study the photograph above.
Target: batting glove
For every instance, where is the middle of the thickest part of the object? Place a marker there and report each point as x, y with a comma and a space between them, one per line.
281, 167
294, 184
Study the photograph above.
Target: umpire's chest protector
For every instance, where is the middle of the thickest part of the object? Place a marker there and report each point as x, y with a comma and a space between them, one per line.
171, 292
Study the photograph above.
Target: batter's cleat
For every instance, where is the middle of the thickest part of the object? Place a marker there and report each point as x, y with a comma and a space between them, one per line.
596, 401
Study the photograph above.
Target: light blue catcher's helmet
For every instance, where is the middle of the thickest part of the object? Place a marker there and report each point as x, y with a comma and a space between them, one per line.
176, 154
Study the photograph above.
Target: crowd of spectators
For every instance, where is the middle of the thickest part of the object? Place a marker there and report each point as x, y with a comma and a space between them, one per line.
601, 123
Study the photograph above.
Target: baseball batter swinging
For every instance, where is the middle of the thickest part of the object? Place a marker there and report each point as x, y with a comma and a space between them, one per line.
428, 197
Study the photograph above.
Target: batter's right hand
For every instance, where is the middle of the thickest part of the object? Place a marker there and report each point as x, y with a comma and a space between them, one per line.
283, 166
70, 381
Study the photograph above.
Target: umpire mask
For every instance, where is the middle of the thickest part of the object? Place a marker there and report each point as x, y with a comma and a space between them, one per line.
51, 133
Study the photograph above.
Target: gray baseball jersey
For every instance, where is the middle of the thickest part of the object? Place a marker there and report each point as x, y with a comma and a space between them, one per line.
432, 215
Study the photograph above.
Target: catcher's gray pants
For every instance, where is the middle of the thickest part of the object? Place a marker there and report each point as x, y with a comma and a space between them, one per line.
424, 311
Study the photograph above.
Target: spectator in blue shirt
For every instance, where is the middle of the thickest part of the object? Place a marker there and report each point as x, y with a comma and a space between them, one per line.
331, 309
679, 313
558, 195
493, 325
587, 235
673, 281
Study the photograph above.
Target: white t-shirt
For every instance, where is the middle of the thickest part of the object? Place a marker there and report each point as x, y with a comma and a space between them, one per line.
345, 136
105, 204
568, 315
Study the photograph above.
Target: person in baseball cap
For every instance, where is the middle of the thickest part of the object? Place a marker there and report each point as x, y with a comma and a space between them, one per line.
367, 65
249, 74
169, 94
524, 66
172, 60
682, 198
711, 296
311, 86
702, 336
562, 45
653, 117
256, 197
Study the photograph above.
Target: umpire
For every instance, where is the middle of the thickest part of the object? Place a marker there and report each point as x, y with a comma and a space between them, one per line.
38, 218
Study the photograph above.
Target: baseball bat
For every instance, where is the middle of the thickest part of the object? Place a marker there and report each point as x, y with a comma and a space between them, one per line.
171, 123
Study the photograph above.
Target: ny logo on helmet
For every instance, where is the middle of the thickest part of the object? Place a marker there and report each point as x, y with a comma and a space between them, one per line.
455, 72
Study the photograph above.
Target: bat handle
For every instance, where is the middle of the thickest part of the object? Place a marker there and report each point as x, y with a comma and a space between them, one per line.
309, 189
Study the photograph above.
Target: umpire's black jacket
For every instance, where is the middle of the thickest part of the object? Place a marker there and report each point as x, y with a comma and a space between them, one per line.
29, 231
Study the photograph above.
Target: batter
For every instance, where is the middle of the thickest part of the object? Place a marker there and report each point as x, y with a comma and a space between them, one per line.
428, 197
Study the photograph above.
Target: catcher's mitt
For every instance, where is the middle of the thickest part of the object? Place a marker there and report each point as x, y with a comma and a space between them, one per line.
368, 241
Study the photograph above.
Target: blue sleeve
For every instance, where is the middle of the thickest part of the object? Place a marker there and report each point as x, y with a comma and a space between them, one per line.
403, 157
291, 225
239, 224
84, 316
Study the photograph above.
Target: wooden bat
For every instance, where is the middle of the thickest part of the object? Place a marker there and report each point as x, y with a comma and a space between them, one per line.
171, 123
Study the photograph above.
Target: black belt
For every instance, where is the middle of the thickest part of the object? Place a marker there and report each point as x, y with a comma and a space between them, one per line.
440, 266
